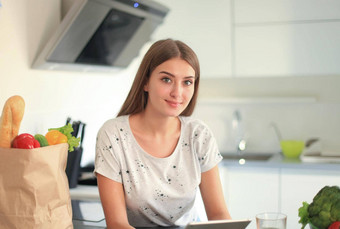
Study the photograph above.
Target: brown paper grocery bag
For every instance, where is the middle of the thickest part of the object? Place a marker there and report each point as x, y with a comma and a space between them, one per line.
34, 191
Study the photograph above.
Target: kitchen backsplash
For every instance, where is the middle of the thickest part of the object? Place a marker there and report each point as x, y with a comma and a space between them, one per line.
295, 120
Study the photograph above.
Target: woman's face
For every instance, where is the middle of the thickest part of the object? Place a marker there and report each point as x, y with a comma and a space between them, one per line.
170, 87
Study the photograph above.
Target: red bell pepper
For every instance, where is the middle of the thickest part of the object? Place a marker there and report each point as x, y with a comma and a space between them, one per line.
25, 141
335, 225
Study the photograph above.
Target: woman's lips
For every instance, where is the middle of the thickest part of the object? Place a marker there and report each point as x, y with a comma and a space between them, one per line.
173, 103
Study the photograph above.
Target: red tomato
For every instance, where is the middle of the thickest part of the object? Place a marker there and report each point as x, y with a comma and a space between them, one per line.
335, 225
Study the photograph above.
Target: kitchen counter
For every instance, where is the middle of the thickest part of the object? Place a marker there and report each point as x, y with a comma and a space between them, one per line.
278, 161
85, 192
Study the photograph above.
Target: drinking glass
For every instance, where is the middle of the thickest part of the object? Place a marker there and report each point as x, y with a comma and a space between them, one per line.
271, 220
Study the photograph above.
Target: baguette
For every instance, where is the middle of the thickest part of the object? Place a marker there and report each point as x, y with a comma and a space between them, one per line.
10, 120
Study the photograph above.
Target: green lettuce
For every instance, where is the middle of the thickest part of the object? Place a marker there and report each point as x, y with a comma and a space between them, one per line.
303, 214
71, 140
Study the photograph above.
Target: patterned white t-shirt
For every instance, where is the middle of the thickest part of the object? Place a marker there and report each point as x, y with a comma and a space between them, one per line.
158, 191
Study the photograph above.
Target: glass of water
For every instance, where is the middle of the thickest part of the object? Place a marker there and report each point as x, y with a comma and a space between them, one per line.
271, 220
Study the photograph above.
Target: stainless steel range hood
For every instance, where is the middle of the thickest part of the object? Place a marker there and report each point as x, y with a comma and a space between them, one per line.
101, 35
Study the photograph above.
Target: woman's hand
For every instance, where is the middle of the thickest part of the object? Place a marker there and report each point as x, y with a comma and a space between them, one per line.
212, 195
113, 202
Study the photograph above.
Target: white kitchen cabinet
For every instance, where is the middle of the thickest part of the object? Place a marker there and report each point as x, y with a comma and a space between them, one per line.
249, 191
268, 11
298, 185
288, 49
286, 38
205, 27
247, 38
263, 187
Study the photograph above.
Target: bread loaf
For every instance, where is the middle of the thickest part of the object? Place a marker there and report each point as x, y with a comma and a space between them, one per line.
10, 120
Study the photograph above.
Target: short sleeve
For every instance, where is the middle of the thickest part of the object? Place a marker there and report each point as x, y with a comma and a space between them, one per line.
106, 160
206, 147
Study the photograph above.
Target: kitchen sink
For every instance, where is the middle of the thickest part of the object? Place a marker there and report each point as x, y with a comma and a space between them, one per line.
248, 156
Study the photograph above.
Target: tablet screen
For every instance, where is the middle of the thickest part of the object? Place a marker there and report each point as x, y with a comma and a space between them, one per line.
220, 224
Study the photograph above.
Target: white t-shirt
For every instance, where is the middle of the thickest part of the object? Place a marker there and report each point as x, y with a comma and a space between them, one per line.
158, 191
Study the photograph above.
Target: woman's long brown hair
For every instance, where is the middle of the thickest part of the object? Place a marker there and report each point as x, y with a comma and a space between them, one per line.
158, 53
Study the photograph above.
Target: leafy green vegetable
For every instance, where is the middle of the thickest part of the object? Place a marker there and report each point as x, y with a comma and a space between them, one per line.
324, 210
71, 140
303, 213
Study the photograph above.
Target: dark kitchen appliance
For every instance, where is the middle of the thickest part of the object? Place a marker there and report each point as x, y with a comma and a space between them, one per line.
74, 157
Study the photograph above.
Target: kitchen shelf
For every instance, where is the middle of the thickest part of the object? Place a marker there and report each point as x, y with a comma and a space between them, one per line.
257, 100
84, 192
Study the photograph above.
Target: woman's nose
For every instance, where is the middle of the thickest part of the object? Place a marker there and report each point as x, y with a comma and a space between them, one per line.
176, 90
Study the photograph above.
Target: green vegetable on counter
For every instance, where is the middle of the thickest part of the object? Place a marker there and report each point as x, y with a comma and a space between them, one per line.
71, 140
323, 211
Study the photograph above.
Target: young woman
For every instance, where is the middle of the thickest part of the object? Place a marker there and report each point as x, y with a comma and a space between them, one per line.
152, 158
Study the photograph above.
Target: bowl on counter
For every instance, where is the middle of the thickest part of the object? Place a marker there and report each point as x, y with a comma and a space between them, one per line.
292, 148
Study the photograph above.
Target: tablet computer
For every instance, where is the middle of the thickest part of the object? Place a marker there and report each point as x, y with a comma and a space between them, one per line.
220, 224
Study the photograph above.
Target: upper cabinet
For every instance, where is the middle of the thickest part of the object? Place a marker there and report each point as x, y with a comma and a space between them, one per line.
284, 11
257, 38
286, 37
206, 27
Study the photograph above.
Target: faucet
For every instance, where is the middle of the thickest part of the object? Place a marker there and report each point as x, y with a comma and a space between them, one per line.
237, 125
277, 130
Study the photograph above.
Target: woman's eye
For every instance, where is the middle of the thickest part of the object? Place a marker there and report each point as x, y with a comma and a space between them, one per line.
188, 82
166, 80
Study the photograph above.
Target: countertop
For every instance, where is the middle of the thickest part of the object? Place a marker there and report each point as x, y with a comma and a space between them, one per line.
278, 161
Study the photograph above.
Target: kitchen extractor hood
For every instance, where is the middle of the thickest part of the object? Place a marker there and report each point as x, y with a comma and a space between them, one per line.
101, 35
